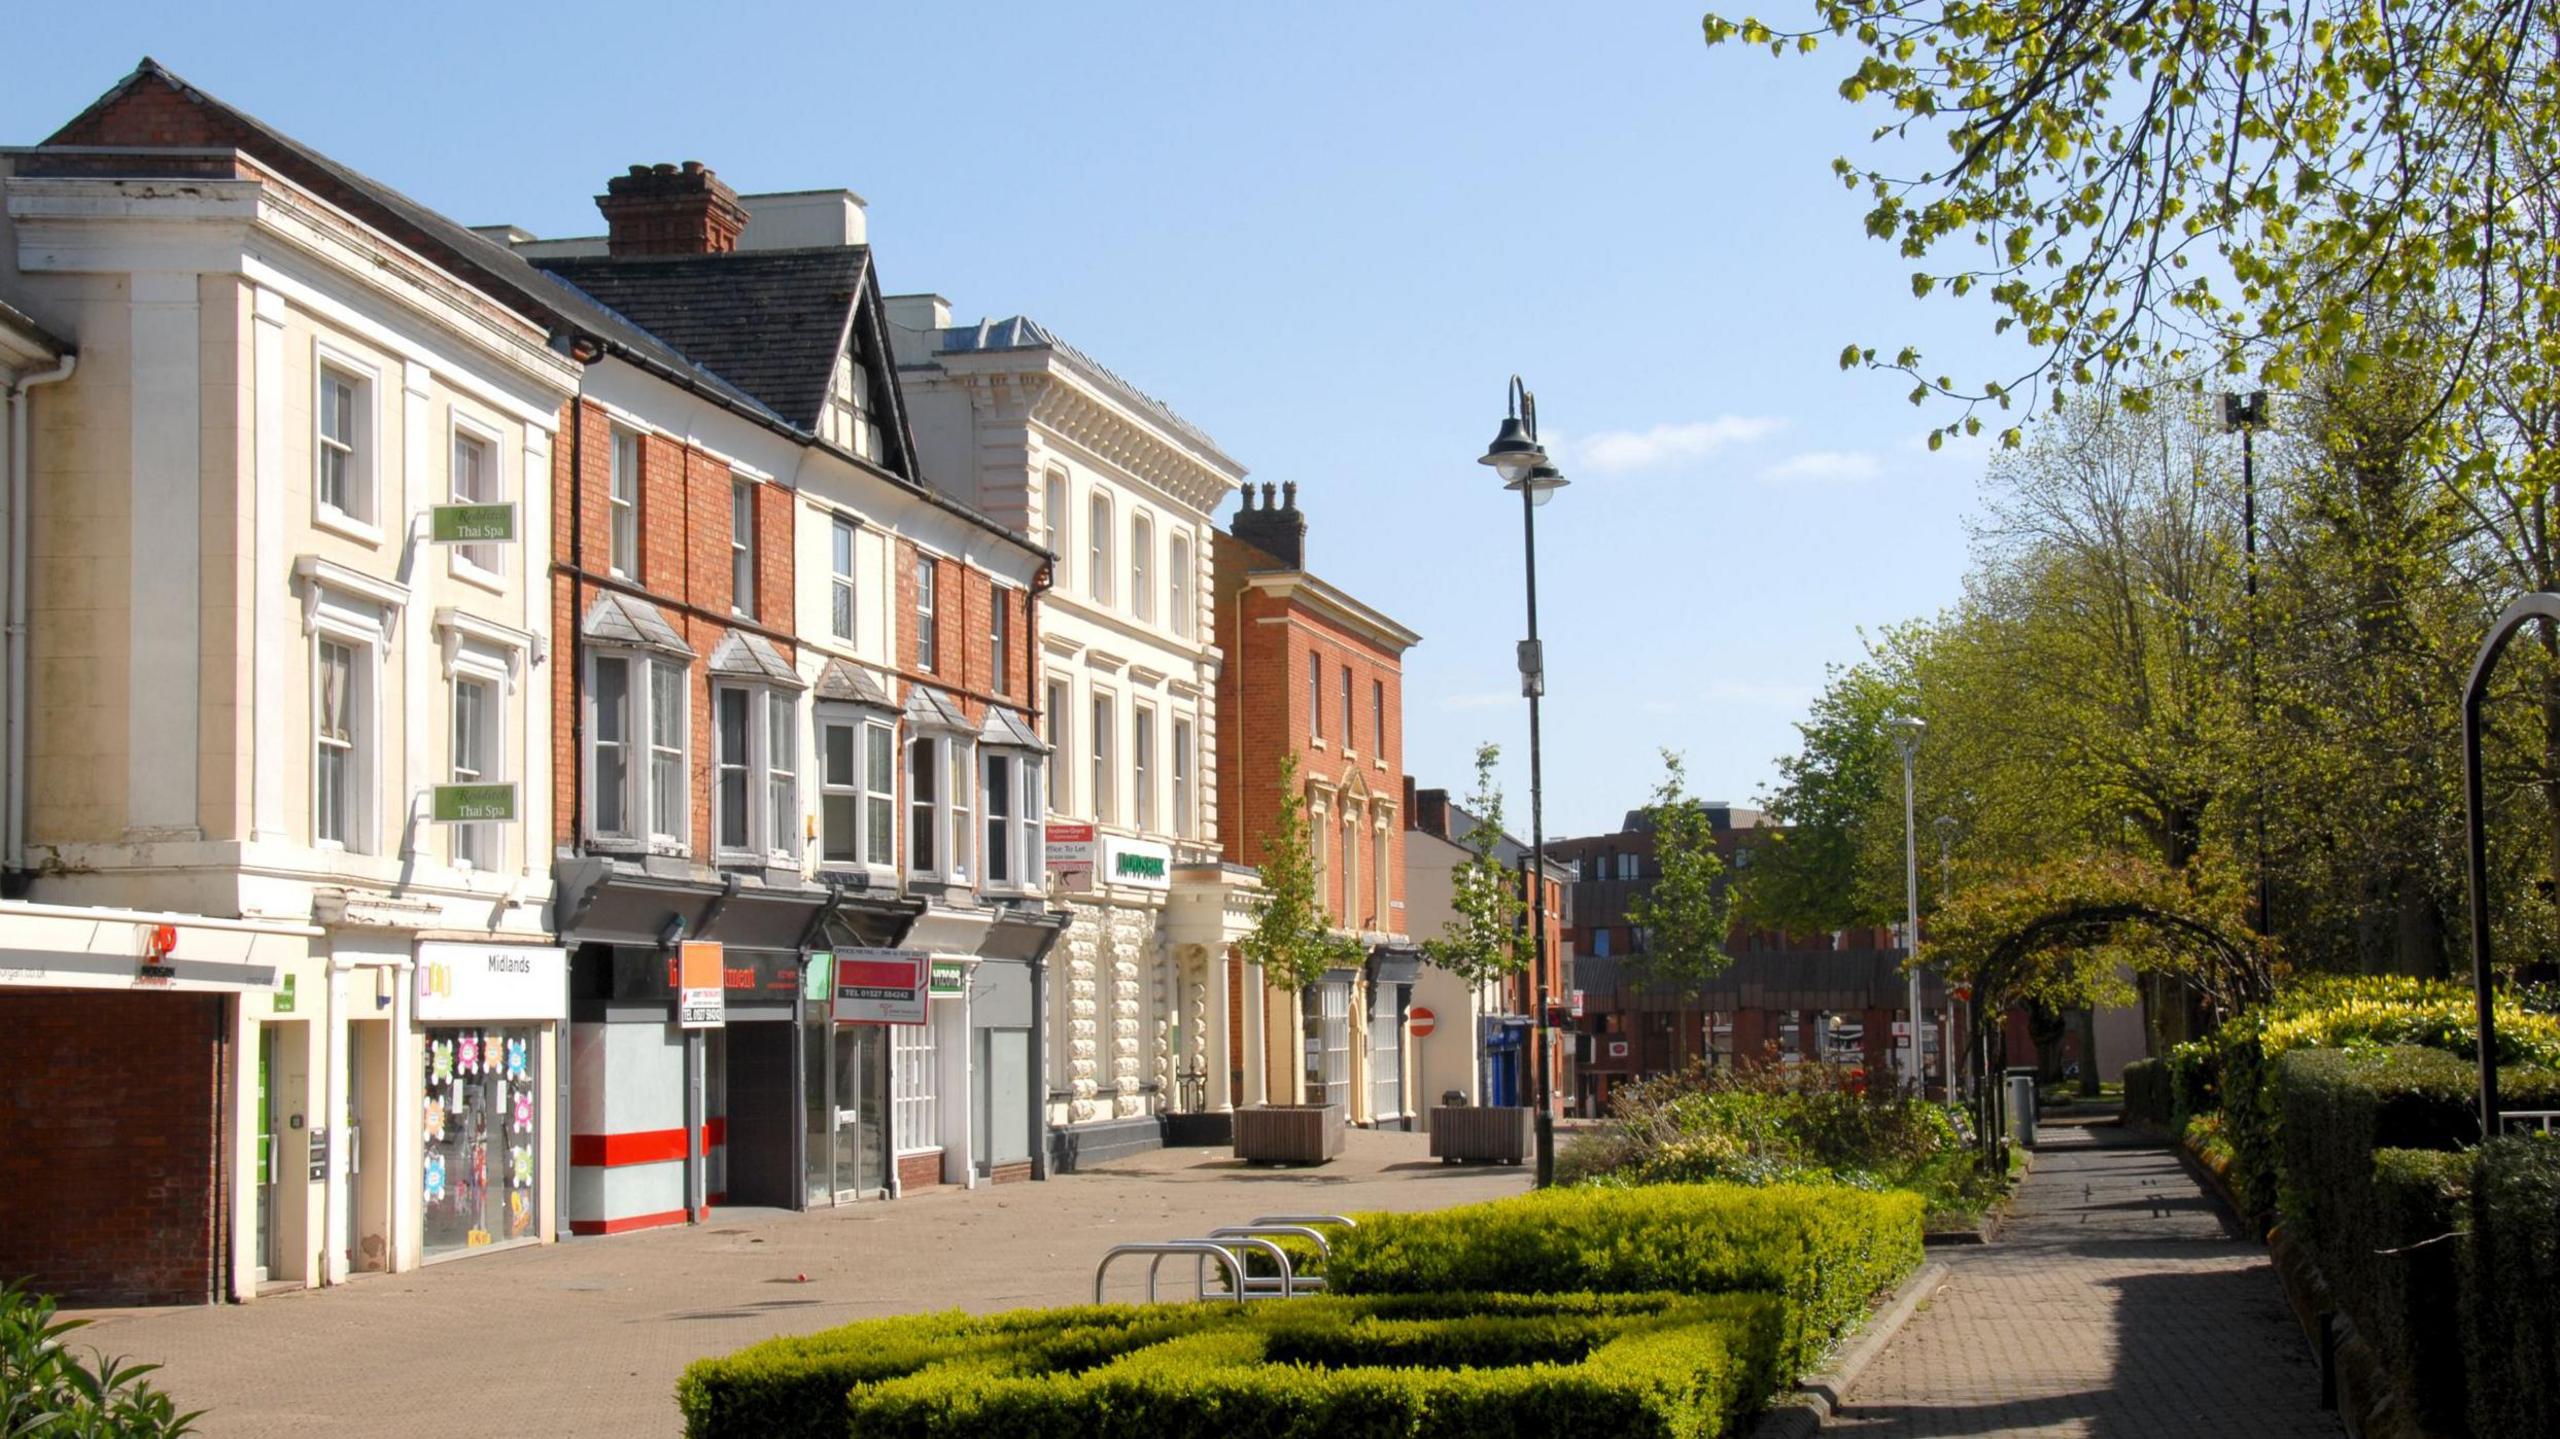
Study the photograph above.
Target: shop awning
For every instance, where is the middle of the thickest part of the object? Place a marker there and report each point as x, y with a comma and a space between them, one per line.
45, 946
1394, 964
602, 901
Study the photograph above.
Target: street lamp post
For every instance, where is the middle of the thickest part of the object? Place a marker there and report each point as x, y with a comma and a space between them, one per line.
1906, 740
2248, 414
1516, 456
1945, 825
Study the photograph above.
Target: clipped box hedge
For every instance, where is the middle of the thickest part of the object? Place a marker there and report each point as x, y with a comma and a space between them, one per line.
1825, 1251
2146, 1092
1464, 1366
2511, 1287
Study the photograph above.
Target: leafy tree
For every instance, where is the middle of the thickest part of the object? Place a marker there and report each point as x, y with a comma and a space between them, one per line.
1687, 912
2129, 181
1482, 940
1810, 875
1292, 938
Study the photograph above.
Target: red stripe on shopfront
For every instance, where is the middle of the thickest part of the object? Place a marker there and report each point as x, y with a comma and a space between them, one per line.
625, 1226
645, 1146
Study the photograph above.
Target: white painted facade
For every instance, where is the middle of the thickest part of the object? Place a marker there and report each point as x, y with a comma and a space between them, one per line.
248, 665
1123, 494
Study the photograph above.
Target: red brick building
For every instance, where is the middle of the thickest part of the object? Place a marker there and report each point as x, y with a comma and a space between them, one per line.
1314, 674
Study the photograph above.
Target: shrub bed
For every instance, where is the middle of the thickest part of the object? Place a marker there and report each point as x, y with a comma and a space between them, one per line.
1652, 1366
2511, 1283
1824, 1251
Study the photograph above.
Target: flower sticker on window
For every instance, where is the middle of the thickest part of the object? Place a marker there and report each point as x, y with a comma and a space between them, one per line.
522, 1122
440, 1063
435, 1179
518, 1061
520, 1166
467, 1059
494, 1055
435, 1121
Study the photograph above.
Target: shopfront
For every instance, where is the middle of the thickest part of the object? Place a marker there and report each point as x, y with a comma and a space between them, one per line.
487, 1020
1392, 975
1004, 1038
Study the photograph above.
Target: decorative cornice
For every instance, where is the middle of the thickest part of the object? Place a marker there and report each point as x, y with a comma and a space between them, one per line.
1297, 587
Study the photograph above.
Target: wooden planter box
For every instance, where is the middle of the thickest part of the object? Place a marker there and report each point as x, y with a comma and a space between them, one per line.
1289, 1133
1493, 1133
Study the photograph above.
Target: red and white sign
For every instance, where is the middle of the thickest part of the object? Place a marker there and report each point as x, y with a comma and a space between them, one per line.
1071, 853
1420, 1021
881, 986
1576, 1006
1617, 1049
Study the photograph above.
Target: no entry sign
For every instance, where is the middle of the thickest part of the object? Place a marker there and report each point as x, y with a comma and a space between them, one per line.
1421, 1021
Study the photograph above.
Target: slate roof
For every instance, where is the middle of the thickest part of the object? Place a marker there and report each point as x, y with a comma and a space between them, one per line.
1005, 730
618, 619
506, 273
768, 321
853, 685
932, 709
740, 655
1021, 332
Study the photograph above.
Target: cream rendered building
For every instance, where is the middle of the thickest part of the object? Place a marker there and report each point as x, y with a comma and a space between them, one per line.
249, 666
1122, 492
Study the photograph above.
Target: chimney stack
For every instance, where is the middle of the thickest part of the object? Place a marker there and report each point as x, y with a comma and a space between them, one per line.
670, 210
1275, 527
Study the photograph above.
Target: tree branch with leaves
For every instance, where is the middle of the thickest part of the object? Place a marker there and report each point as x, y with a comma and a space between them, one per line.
1482, 941
1293, 938
1687, 913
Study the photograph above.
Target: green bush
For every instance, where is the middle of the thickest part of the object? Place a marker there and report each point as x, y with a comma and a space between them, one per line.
1430, 1365
2146, 1092
2511, 1284
1825, 1251
2368, 1181
49, 1392
2194, 1082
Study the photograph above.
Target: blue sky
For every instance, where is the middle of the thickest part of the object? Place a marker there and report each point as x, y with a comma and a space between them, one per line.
1327, 234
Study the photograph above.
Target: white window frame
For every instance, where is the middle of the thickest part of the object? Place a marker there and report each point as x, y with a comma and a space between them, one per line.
1098, 577
1054, 518
1185, 778
1142, 559
844, 609
958, 816
622, 502
481, 846
364, 732
742, 546
999, 637
1142, 767
648, 671
915, 1108
1350, 715
1382, 868
944, 754
479, 563
928, 604
1021, 830
1378, 720
869, 790
1059, 695
360, 518
1351, 867
1315, 699
772, 830
1178, 570
1102, 720
922, 755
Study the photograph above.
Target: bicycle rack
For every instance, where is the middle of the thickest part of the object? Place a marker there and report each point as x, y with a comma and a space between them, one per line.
1201, 1251
1285, 1285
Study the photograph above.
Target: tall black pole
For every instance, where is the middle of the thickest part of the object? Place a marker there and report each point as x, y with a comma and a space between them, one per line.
1536, 684
2542, 607
2257, 739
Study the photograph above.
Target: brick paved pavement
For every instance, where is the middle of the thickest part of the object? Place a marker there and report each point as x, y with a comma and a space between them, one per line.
587, 1337
2115, 1304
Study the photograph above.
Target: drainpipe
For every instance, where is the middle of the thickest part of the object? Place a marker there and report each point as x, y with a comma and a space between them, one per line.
20, 483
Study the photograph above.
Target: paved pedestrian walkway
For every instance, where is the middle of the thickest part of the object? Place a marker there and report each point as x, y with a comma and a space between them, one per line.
2115, 1304
587, 1337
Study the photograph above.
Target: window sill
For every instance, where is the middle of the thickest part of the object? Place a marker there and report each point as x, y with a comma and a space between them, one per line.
339, 522
471, 574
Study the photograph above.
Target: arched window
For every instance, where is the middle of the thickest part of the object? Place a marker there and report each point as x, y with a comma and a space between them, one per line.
1178, 568
1142, 557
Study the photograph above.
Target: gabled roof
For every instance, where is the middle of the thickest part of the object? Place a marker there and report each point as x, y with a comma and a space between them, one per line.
740, 655
770, 322
851, 684
618, 619
501, 270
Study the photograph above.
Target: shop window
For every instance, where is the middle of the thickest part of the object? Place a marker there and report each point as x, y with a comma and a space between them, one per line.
1386, 1058
1327, 1011
483, 1160
636, 730
915, 1118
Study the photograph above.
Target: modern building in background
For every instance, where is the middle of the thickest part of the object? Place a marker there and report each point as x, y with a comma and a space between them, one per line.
1314, 673
1482, 1039
1123, 493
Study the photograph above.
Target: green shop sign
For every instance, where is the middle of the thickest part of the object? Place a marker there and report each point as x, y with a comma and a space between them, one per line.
473, 803
472, 524
1138, 866
949, 977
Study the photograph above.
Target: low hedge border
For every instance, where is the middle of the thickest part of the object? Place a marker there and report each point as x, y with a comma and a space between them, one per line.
1654, 1366
1825, 1251
2511, 1284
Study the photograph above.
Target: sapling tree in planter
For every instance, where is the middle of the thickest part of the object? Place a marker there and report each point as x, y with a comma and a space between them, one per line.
1293, 938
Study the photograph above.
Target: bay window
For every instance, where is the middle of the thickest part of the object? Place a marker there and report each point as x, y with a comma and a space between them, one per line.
857, 788
755, 759
636, 735
1014, 858
941, 790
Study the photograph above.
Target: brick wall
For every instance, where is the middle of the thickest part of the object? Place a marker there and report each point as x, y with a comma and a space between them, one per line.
919, 1171
108, 1178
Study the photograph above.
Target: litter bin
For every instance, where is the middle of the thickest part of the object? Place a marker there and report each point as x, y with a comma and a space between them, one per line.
1453, 1098
2022, 1106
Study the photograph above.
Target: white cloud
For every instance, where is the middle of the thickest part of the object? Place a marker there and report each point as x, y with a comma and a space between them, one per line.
1623, 451
1820, 465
